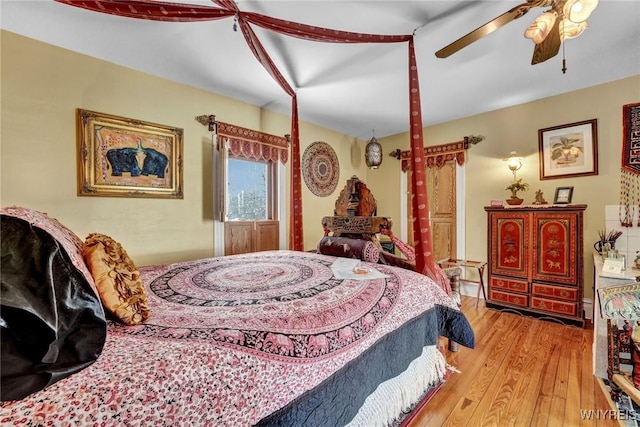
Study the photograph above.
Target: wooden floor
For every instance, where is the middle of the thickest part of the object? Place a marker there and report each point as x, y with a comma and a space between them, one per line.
522, 372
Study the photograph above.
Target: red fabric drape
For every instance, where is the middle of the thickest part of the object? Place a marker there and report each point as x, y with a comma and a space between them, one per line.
425, 262
165, 11
153, 10
313, 33
295, 226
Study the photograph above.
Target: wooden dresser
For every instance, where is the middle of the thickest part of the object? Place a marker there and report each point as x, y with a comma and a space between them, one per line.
536, 261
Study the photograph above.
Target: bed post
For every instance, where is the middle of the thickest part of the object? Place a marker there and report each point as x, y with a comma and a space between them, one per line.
453, 273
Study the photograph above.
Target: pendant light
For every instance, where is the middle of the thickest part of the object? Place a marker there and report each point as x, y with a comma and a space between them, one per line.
373, 153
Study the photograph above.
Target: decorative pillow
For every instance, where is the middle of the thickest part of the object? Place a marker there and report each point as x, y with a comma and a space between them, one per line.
349, 248
117, 279
70, 242
52, 323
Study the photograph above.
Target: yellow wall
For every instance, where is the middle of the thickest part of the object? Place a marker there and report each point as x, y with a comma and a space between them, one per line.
516, 129
42, 86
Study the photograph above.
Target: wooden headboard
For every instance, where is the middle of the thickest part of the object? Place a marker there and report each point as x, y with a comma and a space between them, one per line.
355, 217
355, 213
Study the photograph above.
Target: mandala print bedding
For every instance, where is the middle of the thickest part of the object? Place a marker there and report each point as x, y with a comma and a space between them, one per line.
234, 339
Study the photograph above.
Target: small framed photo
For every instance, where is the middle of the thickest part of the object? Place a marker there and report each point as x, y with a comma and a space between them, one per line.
563, 195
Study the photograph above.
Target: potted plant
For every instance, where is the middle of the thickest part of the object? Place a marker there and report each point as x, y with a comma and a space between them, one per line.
514, 187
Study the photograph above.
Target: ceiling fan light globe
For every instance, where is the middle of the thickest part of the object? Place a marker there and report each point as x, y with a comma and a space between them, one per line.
571, 30
540, 27
579, 10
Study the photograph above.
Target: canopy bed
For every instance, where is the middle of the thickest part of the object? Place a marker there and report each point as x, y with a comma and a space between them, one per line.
269, 338
245, 21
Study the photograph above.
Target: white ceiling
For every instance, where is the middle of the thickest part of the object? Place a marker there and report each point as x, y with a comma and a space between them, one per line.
353, 89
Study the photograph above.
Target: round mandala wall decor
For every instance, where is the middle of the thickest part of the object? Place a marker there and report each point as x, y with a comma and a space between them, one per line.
320, 168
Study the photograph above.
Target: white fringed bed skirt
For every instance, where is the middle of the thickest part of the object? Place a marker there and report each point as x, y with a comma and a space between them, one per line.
398, 394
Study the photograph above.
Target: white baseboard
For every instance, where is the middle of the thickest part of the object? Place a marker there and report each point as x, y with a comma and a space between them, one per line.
588, 308
469, 289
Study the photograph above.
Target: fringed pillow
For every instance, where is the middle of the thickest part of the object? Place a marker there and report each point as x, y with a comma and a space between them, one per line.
349, 248
117, 279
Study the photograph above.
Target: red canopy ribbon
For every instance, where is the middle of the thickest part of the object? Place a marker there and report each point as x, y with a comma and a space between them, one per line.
296, 235
152, 10
425, 262
313, 33
262, 56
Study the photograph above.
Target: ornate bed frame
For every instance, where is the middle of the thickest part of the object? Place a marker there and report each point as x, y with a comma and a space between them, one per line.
355, 216
355, 213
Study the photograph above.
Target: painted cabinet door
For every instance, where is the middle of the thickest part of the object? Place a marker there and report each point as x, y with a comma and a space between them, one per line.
509, 244
555, 238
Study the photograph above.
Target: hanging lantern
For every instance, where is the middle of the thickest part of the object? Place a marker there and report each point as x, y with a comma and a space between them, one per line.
373, 153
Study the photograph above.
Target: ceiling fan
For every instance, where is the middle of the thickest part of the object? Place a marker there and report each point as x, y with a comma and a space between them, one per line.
565, 19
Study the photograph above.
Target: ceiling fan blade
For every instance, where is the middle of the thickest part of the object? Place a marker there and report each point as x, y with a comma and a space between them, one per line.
549, 47
487, 28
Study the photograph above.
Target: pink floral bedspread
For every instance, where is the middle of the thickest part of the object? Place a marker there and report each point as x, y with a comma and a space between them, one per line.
229, 341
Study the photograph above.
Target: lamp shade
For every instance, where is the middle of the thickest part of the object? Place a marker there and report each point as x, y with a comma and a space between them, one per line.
514, 162
570, 29
579, 10
540, 27
373, 153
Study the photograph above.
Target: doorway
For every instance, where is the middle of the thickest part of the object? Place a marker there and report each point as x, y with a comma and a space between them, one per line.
446, 209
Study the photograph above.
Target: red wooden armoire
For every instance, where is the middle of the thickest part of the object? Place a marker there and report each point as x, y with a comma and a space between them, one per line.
536, 261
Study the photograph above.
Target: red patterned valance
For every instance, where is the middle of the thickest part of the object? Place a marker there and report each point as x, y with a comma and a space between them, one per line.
437, 155
252, 144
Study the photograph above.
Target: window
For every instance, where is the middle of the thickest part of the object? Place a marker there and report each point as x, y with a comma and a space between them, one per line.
248, 205
251, 190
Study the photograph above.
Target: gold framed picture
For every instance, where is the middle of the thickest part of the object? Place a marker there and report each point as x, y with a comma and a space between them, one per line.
123, 157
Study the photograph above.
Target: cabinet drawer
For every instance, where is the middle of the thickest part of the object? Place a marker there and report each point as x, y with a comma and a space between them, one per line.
509, 284
515, 299
552, 291
559, 307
